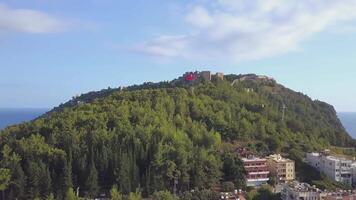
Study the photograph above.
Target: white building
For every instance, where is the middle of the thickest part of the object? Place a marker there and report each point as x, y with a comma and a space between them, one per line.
296, 191
353, 171
336, 168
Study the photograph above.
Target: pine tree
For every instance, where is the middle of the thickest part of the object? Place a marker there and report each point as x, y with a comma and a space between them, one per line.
70, 195
92, 180
115, 194
4, 180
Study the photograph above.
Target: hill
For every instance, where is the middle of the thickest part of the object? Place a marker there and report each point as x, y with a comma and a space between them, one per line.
149, 136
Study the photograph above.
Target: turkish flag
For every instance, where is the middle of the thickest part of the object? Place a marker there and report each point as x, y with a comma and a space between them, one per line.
190, 77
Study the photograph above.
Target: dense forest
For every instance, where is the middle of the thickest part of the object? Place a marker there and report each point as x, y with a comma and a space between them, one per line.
156, 136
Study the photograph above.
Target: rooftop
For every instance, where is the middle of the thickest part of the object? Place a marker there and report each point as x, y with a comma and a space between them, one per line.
329, 157
278, 158
302, 187
253, 159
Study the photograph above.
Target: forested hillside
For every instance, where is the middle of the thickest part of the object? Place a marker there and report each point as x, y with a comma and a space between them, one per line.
145, 137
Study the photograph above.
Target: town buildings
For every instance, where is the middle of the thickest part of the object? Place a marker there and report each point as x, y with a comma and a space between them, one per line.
256, 171
342, 195
296, 191
301, 191
353, 173
336, 168
282, 168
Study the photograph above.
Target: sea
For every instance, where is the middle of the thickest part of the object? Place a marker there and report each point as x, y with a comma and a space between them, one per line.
11, 116
348, 119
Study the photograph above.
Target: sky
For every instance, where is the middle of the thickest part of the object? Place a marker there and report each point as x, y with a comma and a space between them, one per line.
51, 50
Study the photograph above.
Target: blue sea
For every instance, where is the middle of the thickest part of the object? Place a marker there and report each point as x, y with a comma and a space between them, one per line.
10, 116
348, 119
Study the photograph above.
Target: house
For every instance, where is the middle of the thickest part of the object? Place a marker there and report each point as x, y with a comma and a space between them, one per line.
282, 168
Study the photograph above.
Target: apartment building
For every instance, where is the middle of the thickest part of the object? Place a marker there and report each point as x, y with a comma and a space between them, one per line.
256, 171
282, 168
296, 191
335, 168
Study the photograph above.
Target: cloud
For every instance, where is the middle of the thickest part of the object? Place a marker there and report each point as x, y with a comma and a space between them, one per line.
28, 21
237, 30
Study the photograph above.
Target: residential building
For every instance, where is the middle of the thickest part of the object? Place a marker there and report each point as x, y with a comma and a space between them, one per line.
282, 168
301, 191
256, 171
336, 168
353, 173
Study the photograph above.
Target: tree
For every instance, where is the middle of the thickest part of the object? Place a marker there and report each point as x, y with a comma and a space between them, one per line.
233, 169
92, 180
228, 186
4, 180
135, 196
50, 197
163, 195
265, 193
70, 195
115, 194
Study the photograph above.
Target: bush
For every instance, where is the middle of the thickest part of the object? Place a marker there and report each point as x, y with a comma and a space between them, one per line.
164, 195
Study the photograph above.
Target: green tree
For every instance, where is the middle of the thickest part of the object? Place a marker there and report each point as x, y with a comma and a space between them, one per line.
92, 180
115, 194
4, 179
70, 195
233, 169
134, 196
228, 186
50, 197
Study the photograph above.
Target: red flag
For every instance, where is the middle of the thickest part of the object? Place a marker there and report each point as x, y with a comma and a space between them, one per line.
190, 77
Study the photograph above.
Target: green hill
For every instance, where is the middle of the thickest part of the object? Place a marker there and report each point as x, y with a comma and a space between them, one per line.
148, 135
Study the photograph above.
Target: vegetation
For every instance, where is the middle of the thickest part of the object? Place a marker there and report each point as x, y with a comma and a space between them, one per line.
164, 195
115, 194
263, 193
151, 135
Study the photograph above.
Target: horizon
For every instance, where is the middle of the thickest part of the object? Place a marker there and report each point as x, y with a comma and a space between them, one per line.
51, 51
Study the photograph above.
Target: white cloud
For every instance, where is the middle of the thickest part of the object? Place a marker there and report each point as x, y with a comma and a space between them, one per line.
236, 30
28, 21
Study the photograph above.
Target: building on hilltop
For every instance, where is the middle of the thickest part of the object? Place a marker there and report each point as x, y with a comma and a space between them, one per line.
256, 171
336, 168
206, 75
282, 168
191, 77
219, 75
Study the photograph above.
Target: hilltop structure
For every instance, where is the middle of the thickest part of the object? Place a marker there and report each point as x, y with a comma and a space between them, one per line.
206, 75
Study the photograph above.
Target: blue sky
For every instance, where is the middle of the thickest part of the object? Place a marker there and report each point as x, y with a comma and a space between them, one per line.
53, 50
